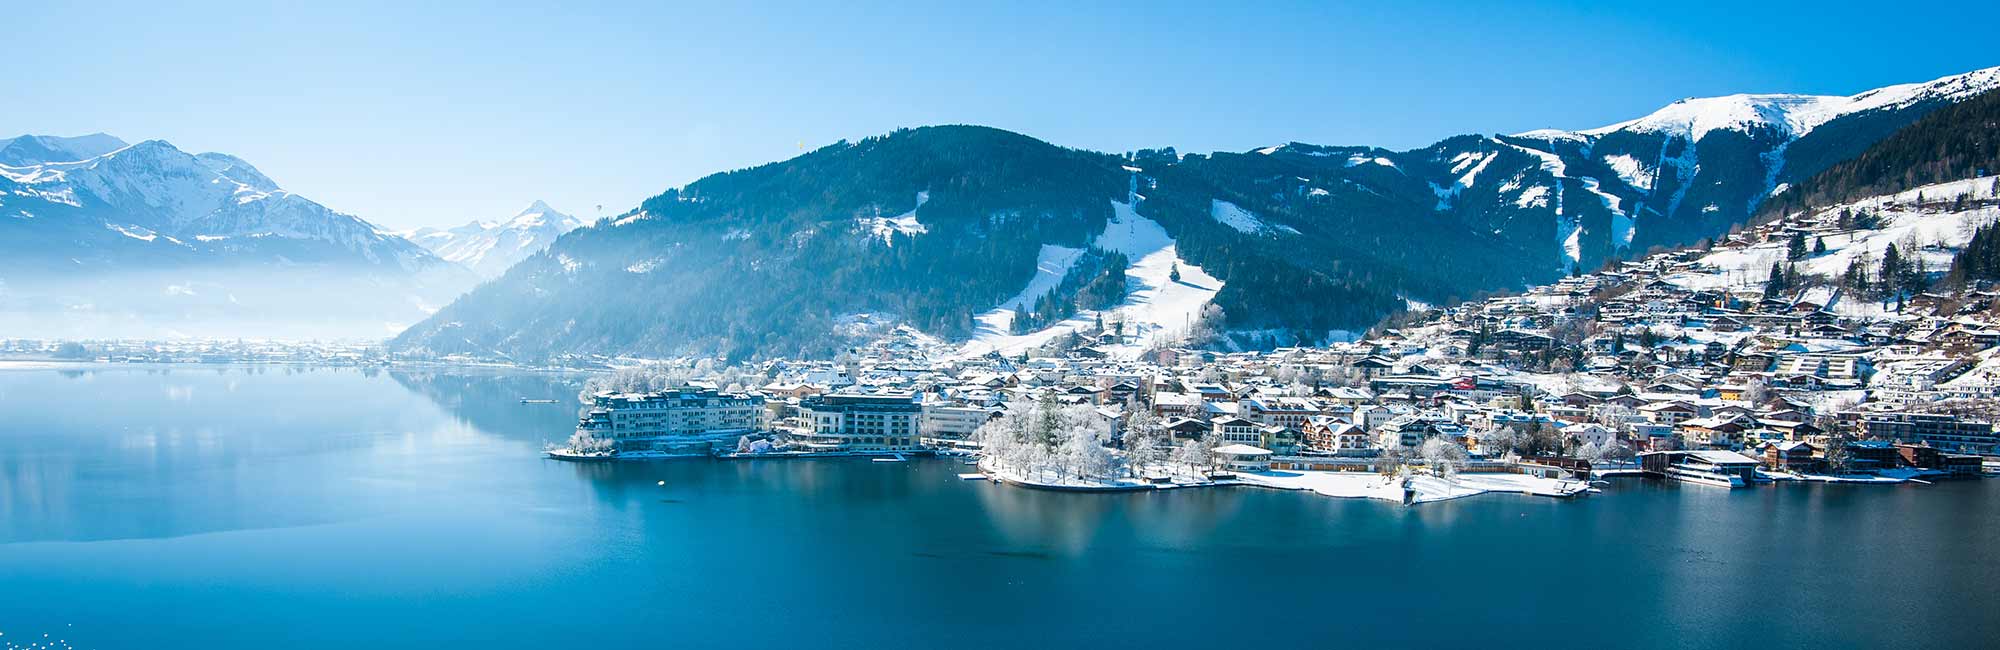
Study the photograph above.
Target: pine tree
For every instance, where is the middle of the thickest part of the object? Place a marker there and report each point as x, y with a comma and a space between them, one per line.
1891, 274
1777, 283
1796, 248
1819, 245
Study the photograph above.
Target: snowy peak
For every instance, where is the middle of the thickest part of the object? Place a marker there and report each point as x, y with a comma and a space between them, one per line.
1790, 114
489, 248
539, 215
37, 149
1695, 118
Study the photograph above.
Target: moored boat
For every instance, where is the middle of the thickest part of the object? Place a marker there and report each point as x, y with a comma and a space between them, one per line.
581, 456
1692, 474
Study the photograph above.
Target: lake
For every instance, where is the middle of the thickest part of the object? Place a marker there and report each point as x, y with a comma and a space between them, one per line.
258, 507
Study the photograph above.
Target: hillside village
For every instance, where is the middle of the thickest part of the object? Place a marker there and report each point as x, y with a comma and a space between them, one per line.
1695, 357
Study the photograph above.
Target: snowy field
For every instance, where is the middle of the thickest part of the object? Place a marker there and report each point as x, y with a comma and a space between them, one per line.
1361, 485
1938, 234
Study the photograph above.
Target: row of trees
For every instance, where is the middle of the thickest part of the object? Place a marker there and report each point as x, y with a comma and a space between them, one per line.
658, 376
1902, 272
1048, 441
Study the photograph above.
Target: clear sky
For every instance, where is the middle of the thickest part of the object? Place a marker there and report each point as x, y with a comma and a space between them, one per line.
440, 114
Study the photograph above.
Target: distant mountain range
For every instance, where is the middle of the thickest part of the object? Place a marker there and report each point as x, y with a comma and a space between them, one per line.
101, 238
939, 227
488, 248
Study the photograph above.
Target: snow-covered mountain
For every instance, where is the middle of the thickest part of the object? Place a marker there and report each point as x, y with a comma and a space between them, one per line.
1795, 115
488, 248
122, 236
1301, 242
1699, 165
1689, 170
36, 149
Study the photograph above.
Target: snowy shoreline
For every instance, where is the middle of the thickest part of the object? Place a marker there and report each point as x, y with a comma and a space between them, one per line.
1341, 485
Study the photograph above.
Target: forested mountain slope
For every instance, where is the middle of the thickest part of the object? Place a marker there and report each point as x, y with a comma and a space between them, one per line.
938, 227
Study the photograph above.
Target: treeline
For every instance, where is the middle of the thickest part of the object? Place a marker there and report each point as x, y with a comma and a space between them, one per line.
1980, 260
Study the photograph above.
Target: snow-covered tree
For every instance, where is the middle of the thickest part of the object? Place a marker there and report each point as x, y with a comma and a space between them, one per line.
584, 442
1192, 454
1615, 416
1615, 451
1146, 442
1444, 457
1499, 442
1048, 439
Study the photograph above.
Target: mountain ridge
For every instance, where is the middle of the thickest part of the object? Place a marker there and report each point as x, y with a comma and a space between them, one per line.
147, 240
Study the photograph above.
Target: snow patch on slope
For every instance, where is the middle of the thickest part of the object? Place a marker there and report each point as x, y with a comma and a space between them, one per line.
1633, 172
1365, 159
906, 223
1244, 221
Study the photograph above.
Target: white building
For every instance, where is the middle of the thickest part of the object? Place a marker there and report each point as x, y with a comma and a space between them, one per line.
683, 420
859, 422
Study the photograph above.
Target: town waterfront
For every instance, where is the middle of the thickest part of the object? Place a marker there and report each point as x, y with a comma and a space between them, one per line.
247, 507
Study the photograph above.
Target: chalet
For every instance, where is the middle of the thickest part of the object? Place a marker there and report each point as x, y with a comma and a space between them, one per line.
1405, 432
1183, 429
1968, 337
1329, 436
1177, 405
1589, 433
1792, 456
1522, 340
1669, 413
1791, 429
1371, 366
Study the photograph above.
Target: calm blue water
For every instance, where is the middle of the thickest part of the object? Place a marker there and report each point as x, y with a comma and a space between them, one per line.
255, 508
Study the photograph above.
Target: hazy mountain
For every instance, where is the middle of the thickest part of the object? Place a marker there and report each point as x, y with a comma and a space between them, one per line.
37, 149
148, 240
488, 248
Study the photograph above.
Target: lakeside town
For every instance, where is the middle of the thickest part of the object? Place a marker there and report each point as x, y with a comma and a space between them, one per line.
1680, 366
1683, 365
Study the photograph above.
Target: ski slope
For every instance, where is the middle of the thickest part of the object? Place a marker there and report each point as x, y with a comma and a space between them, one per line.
1155, 307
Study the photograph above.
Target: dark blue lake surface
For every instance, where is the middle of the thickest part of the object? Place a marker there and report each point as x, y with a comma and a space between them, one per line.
232, 507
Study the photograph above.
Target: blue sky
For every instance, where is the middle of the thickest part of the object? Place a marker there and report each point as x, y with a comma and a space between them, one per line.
442, 114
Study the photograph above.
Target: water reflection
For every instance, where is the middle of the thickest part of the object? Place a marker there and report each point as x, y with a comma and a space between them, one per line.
242, 505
